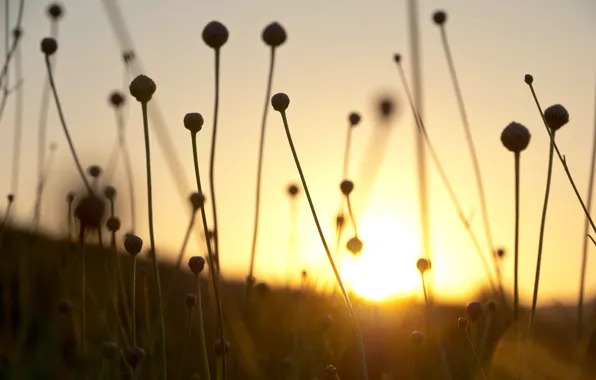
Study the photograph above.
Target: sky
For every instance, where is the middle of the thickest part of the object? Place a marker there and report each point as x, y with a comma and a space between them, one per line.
337, 59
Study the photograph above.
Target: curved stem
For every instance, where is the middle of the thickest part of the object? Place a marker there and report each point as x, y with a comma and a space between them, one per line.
352, 218
260, 169
331, 261
212, 164
64, 127
152, 239
202, 341
18, 124
475, 355
214, 276
13, 47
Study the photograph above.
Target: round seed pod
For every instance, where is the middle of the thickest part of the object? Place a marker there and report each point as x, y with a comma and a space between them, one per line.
529, 79
492, 306
263, 289
193, 121
556, 116
70, 196
90, 211
219, 348
515, 137
293, 190
474, 311
215, 34
142, 88
133, 244
116, 99
191, 299
113, 224
346, 187
340, 220
354, 119
135, 356
280, 101
274, 35
94, 171
440, 17
10, 198
423, 264
197, 200
65, 306
462, 323
55, 11
109, 192
196, 264
303, 275
109, 350
330, 371
417, 338
354, 245
386, 108
49, 46
501, 253
397, 57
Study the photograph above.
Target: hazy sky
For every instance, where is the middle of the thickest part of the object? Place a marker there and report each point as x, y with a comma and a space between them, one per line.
338, 58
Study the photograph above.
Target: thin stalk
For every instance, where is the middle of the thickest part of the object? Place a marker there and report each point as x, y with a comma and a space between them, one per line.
260, 169
13, 47
64, 127
331, 261
152, 239
18, 125
426, 300
202, 340
580, 307
541, 241
214, 276
351, 213
186, 342
516, 241
133, 300
471, 148
83, 289
127, 165
212, 164
475, 355
293, 243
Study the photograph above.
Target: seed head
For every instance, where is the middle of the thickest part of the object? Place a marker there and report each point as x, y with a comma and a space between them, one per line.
501, 253
386, 108
191, 299
417, 338
142, 88
274, 35
135, 356
70, 197
263, 289
133, 244
492, 306
474, 311
397, 58
10, 198
293, 190
354, 119
109, 350
116, 99
17, 33
304, 275
339, 220
330, 371
196, 264
128, 56
280, 101
354, 245
423, 265
55, 11
529, 79
113, 224
556, 116
90, 211
109, 192
49, 46
219, 348
94, 171
346, 187
515, 137
250, 281
197, 200
193, 122
215, 34
439, 17
463, 323
65, 306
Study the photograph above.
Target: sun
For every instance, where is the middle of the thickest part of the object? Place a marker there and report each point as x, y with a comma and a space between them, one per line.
386, 267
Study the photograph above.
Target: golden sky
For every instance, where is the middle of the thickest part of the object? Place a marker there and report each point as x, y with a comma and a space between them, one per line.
337, 59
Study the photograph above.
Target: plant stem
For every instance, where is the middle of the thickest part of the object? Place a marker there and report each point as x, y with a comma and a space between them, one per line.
352, 218
152, 238
187, 341
214, 276
18, 124
203, 342
212, 164
475, 355
516, 241
133, 300
260, 169
127, 166
331, 261
83, 288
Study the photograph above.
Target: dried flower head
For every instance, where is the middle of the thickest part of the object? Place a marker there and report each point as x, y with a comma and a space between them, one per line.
113, 224
397, 57
65, 306
142, 88
339, 220
196, 264
423, 265
439, 17
133, 244
529, 79
346, 187
219, 348
303, 275
474, 310
10, 198
462, 323
117, 99
109, 350
501, 253
354, 245
90, 211
109, 192
193, 121
197, 200
556, 116
417, 338
70, 196
191, 300
49, 46
55, 11
515, 137
492, 306
293, 190
135, 356
215, 34
94, 171
386, 108
280, 101
274, 34
354, 119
